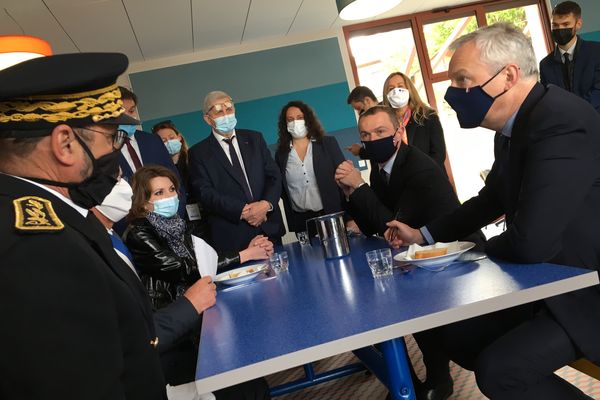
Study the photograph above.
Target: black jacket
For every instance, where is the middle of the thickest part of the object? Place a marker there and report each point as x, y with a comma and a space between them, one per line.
327, 155
418, 192
165, 274
550, 194
76, 321
586, 71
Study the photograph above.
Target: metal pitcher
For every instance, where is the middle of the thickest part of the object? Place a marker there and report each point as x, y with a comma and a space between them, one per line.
332, 232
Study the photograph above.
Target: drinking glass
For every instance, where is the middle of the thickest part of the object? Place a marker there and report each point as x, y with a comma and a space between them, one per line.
380, 262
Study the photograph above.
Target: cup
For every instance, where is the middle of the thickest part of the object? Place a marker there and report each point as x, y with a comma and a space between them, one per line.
380, 262
303, 237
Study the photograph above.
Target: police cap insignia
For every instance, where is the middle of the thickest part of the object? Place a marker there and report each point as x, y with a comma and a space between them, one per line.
35, 214
75, 89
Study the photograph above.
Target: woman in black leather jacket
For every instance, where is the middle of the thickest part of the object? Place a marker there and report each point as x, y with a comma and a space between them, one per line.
161, 242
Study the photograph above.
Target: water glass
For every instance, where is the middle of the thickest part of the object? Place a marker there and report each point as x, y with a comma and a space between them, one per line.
303, 237
275, 262
380, 262
284, 260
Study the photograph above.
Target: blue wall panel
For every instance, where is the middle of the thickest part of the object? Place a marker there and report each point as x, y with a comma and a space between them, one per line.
181, 89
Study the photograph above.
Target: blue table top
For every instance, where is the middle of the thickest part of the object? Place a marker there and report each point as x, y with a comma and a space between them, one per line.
323, 307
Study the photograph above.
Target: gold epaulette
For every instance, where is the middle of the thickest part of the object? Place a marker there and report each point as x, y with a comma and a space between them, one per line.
34, 214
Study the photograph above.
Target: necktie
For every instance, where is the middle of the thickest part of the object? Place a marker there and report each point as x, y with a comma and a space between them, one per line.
384, 176
119, 245
237, 168
133, 154
568, 72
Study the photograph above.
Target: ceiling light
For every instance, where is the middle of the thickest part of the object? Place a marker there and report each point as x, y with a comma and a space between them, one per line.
15, 49
361, 9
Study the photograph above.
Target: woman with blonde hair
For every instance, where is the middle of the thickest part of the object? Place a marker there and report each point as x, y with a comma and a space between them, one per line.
421, 122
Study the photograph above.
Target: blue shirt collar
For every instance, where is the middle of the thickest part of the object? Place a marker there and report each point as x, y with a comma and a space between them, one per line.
508, 126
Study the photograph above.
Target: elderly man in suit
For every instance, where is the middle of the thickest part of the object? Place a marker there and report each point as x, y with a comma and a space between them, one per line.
574, 64
545, 179
235, 178
76, 320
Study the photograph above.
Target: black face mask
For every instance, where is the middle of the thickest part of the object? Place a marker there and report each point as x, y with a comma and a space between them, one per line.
92, 191
563, 36
380, 150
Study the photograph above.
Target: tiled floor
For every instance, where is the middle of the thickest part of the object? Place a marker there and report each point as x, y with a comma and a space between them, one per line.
364, 386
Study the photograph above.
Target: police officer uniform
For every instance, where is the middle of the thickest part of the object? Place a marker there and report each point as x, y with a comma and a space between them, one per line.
76, 321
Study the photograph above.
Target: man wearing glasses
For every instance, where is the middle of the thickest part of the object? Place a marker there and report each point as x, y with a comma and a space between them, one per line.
76, 319
235, 178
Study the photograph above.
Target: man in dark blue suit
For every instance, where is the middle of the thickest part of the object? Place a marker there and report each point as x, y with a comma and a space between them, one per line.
142, 148
235, 178
574, 64
545, 181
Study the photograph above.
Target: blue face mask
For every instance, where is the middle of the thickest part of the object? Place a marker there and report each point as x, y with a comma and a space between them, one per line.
130, 129
225, 124
173, 146
471, 104
380, 150
166, 207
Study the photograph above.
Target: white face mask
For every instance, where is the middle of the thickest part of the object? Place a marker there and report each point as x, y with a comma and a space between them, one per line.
398, 97
297, 128
117, 204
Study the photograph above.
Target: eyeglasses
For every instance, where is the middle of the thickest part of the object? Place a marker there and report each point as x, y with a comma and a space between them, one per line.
221, 108
118, 137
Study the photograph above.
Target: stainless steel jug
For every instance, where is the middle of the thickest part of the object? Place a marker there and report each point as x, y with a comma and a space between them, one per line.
332, 232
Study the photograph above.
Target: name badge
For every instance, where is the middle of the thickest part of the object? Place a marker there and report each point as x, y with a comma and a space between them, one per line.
193, 211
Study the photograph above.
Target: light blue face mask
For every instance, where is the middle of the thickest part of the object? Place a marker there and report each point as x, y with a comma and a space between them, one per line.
225, 124
166, 207
130, 129
173, 146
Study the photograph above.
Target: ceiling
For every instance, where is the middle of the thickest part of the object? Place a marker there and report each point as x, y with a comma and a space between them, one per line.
152, 29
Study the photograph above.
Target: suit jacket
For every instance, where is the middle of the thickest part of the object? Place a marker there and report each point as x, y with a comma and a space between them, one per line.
586, 73
153, 152
327, 155
429, 138
221, 193
75, 315
417, 193
549, 190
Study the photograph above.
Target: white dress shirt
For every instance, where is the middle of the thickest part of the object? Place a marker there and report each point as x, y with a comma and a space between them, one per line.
236, 146
302, 182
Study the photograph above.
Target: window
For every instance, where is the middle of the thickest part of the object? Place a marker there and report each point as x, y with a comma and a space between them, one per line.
419, 44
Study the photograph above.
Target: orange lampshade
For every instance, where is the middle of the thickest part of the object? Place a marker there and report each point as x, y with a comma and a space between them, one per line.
18, 48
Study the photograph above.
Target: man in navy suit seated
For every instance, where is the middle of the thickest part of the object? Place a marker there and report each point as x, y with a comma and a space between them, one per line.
235, 178
574, 64
143, 148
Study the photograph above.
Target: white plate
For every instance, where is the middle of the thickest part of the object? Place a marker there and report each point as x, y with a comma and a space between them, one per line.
227, 279
438, 261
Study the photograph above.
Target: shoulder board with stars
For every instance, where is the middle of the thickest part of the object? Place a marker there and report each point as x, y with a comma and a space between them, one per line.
35, 214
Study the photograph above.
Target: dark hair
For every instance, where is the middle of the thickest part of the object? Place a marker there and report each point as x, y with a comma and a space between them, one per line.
382, 109
168, 124
566, 8
142, 191
359, 93
127, 94
313, 126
